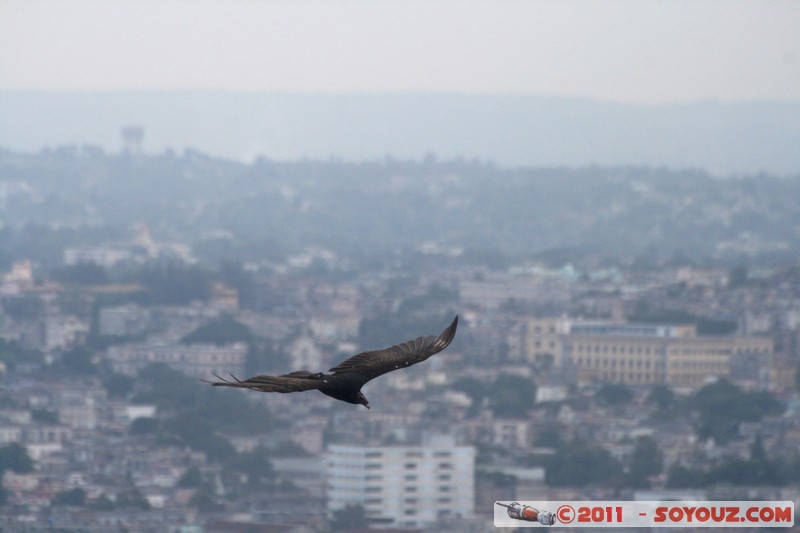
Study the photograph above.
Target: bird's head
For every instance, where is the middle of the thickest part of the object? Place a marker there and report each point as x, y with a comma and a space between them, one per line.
360, 398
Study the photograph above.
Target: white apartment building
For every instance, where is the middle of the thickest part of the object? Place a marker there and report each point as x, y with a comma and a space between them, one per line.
62, 331
194, 361
403, 486
123, 320
104, 256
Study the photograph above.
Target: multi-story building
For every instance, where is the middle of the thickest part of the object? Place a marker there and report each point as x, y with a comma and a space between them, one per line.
123, 320
104, 256
639, 354
195, 360
403, 486
62, 331
492, 290
542, 339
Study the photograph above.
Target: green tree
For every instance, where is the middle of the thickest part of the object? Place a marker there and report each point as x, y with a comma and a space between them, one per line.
81, 274
44, 416
737, 276
549, 438
103, 503
234, 275
614, 394
681, 477
200, 415
145, 426
202, 499
12, 354
747, 472
511, 396
216, 405
72, 497
79, 361
15, 457
192, 478
288, 448
738, 406
262, 354
474, 388
348, 518
132, 498
195, 431
118, 385
167, 388
255, 466
792, 468
219, 332
579, 464
646, 460
173, 283
757, 452
662, 397
24, 308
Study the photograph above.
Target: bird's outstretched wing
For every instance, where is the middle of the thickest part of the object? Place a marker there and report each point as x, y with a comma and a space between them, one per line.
369, 365
293, 382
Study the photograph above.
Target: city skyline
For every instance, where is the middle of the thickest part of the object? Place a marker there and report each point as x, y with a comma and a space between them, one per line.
578, 371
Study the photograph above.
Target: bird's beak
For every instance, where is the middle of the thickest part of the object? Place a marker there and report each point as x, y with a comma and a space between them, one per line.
367, 405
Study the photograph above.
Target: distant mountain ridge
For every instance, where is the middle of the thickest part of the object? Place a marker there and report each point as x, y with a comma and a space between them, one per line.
511, 130
377, 211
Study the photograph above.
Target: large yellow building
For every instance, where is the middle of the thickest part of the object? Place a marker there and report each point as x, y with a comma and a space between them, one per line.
637, 354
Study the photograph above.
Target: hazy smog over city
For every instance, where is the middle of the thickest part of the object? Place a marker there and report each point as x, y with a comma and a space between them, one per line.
295, 200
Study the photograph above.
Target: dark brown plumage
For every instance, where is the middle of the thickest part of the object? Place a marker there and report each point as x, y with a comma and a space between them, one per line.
347, 378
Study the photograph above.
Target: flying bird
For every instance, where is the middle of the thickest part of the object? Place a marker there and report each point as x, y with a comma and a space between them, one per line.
346, 379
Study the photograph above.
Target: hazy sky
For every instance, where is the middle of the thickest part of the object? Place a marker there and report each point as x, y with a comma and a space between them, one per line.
627, 51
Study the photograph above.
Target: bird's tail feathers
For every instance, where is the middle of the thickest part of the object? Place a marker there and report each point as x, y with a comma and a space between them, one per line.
273, 383
224, 382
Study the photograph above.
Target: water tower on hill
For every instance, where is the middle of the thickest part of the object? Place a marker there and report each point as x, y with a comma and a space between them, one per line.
132, 137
